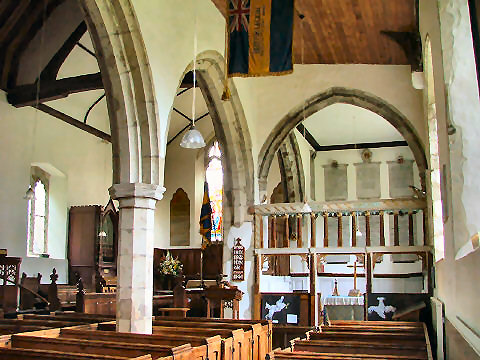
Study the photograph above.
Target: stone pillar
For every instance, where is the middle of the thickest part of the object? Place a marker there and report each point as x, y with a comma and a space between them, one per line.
135, 255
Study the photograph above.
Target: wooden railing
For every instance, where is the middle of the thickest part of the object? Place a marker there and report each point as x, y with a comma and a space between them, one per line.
286, 222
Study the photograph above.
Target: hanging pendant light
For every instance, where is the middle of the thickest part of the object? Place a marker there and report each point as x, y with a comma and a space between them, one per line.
29, 194
193, 138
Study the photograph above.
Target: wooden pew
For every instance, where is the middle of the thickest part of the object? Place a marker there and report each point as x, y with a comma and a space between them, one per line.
408, 338
306, 355
100, 347
204, 347
254, 334
15, 354
353, 347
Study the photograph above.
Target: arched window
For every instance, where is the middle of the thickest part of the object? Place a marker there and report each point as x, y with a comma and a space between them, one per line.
214, 175
38, 213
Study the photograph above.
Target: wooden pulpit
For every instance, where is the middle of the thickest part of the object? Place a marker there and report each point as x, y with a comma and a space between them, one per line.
219, 297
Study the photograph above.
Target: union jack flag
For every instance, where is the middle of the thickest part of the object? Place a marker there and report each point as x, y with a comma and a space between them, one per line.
239, 13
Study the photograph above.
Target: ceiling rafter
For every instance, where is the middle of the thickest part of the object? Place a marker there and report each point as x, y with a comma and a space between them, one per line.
25, 95
50, 71
29, 25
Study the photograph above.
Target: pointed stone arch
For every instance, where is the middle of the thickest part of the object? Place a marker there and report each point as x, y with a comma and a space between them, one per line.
127, 79
291, 169
338, 95
232, 133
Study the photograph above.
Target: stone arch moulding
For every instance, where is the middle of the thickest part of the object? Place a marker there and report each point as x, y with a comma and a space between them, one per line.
232, 133
329, 97
291, 169
127, 79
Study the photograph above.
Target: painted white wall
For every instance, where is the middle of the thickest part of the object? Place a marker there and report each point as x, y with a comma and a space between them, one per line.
80, 165
457, 102
352, 157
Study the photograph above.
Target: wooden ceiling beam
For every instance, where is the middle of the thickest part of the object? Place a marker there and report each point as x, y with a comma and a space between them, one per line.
309, 137
74, 122
25, 95
51, 70
29, 32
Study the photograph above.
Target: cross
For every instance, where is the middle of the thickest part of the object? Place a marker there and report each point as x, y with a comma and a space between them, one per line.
354, 290
239, 14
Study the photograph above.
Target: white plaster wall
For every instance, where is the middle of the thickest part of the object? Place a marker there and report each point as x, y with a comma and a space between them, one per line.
184, 168
305, 148
457, 280
276, 96
352, 157
80, 165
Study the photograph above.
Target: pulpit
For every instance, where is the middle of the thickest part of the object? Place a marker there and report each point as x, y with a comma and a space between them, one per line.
9, 277
221, 297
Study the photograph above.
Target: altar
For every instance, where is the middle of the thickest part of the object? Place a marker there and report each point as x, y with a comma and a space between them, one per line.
344, 307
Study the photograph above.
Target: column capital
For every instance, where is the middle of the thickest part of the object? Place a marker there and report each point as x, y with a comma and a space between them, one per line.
137, 190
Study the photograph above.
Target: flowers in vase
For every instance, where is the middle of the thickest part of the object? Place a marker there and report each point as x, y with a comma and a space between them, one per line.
170, 266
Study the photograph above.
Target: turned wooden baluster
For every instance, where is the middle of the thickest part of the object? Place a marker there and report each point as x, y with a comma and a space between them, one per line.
340, 230
325, 229
313, 237
367, 229
382, 228
354, 229
286, 239
299, 231
411, 239
396, 230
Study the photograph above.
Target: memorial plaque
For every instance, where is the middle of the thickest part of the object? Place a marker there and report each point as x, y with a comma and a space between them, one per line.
368, 180
238, 261
400, 176
336, 183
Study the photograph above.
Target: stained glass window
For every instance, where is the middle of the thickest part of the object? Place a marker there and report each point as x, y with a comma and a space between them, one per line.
214, 176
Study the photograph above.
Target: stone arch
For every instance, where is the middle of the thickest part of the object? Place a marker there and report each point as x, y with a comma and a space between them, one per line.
329, 97
126, 76
291, 169
232, 133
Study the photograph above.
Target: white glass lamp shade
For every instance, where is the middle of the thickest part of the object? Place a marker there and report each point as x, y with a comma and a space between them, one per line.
192, 139
102, 234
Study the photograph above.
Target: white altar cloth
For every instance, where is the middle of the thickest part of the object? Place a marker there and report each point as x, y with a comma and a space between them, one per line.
343, 300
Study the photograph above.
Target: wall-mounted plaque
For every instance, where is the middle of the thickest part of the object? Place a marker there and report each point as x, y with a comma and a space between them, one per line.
336, 183
238, 261
368, 180
400, 178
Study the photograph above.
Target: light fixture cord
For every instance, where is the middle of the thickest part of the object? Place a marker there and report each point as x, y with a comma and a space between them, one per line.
304, 97
194, 62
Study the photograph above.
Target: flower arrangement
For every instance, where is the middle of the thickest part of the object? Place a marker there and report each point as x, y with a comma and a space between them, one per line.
170, 266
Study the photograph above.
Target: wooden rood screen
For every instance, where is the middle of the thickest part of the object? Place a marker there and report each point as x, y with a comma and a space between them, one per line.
319, 230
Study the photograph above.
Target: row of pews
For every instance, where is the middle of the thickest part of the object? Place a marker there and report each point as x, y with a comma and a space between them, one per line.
76, 336
360, 340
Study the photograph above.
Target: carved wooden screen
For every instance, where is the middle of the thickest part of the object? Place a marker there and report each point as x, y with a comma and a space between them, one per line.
180, 219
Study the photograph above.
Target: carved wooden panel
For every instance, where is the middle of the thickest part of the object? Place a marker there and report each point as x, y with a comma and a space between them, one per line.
180, 219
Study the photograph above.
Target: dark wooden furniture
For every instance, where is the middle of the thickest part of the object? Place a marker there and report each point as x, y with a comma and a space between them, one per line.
191, 261
9, 277
92, 243
219, 297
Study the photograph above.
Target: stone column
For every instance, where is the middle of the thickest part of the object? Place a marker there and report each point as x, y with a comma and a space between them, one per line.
135, 255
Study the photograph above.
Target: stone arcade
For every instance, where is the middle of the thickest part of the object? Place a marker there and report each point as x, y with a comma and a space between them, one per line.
355, 174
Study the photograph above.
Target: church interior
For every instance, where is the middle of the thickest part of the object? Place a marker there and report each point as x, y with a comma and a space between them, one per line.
157, 206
